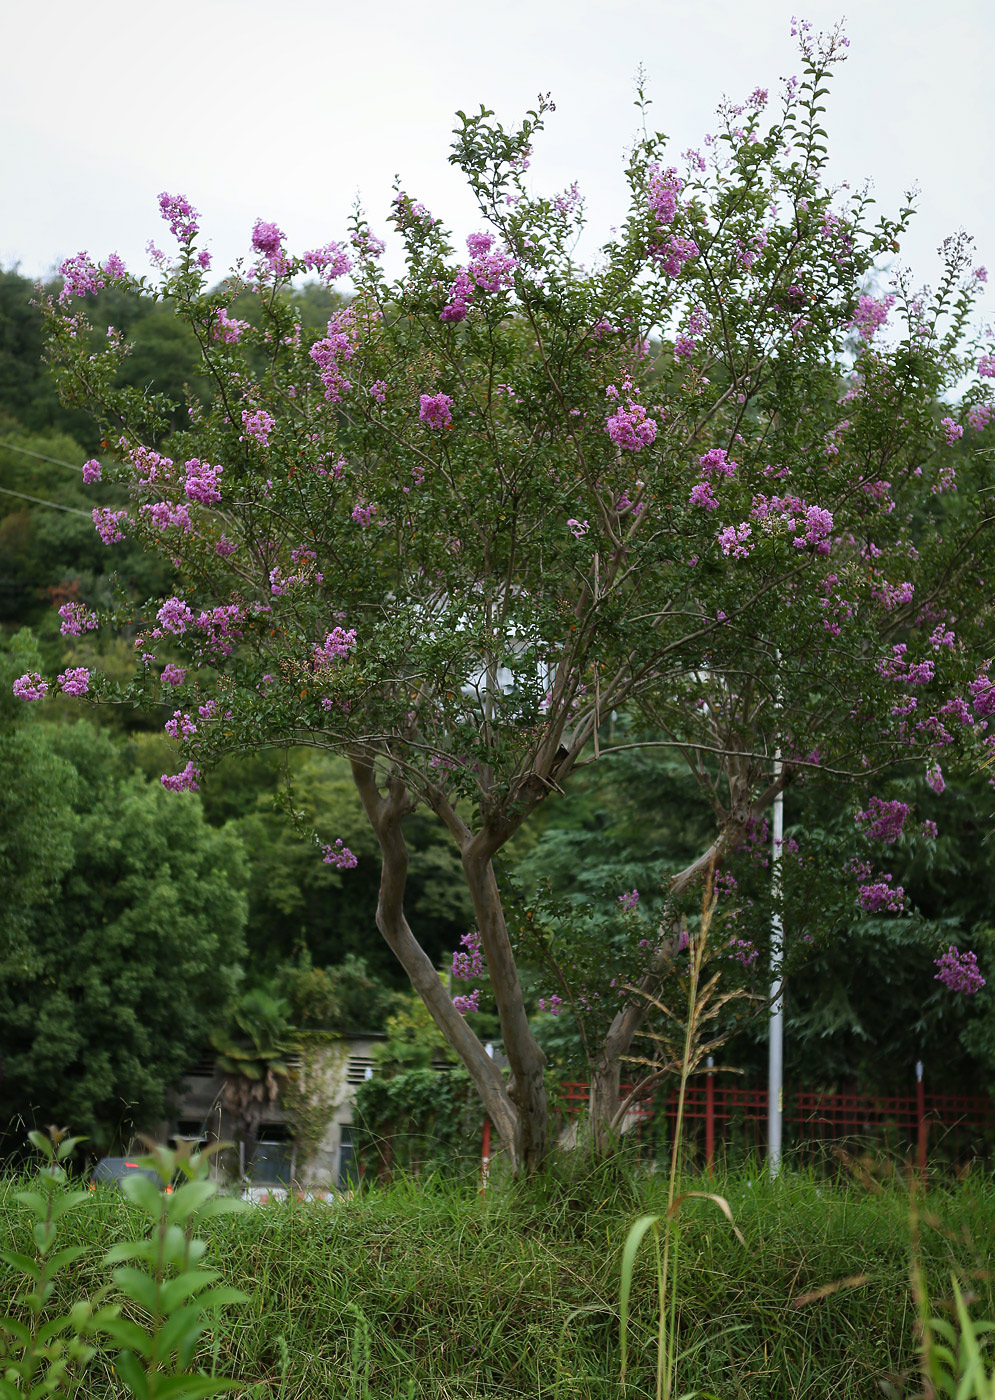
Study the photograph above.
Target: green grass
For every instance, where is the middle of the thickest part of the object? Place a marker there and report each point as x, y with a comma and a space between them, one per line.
430, 1289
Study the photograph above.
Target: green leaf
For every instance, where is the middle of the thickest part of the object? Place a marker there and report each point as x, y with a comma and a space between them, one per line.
130, 1369
138, 1286
23, 1262
145, 1194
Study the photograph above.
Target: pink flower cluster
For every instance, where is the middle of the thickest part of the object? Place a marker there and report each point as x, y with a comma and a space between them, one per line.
469, 962
953, 430
181, 216
871, 315
880, 897
733, 540
578, 528
267, 238
959, 971
173, 675
339, 855
185, 781
76, 620
436, 410
174, 616
328, 262
164, 515
743, 951
336, 349
181, 726
30, 686
674, 253
884, 821
202, 481
468, 1003
108, 522
75, 681
630, 428
664, 188
337, 644
80, 277
227, 328
980, 416
628, 900
258, 425
818, 526
686, 341
489, 270
91, 471
552, 1004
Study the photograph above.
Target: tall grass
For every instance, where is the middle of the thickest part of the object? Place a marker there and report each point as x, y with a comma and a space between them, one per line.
429, 1288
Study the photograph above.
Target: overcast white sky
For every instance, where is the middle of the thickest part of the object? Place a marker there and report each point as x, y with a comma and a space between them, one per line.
289, 110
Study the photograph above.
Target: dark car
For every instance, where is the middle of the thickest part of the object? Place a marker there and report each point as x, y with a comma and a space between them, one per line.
111, 1171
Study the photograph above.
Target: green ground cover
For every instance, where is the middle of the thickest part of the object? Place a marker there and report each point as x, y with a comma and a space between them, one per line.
431, 1289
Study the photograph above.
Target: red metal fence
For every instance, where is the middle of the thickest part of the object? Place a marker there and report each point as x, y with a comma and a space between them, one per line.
725, 1120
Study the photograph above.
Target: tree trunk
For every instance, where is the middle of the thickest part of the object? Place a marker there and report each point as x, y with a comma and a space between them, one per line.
385, 814
526, 1057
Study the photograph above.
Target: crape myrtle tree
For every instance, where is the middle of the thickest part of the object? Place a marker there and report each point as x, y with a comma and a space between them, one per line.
505, 495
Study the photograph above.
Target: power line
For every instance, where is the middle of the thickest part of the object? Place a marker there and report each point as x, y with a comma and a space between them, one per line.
42, 458
39, 502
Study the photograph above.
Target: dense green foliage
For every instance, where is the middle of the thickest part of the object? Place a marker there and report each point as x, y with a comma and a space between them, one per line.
123, 931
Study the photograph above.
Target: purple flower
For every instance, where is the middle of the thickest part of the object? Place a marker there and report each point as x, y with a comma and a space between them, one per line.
959, 971
880, 896
871, 315
743, 951
174, 616
630, 428
980, 416
337, 644
227, 328
76, 620
733, 540
202, 481
553, 1004
338, 855
436, 410
338, 347
258, 425
884, 820
107, 522
166, 516
91, 471
469, 1003
181, 216
935, 779
267, 238
80, 277
173, 675
578, 528
30, 686
362, 514
181, 726
224, 547
469, 963
185, 781
329, 262
75, 681
628, 900
953, 430
701, 495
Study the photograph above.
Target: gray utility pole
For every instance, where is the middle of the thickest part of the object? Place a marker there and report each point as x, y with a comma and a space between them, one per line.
775, 1052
